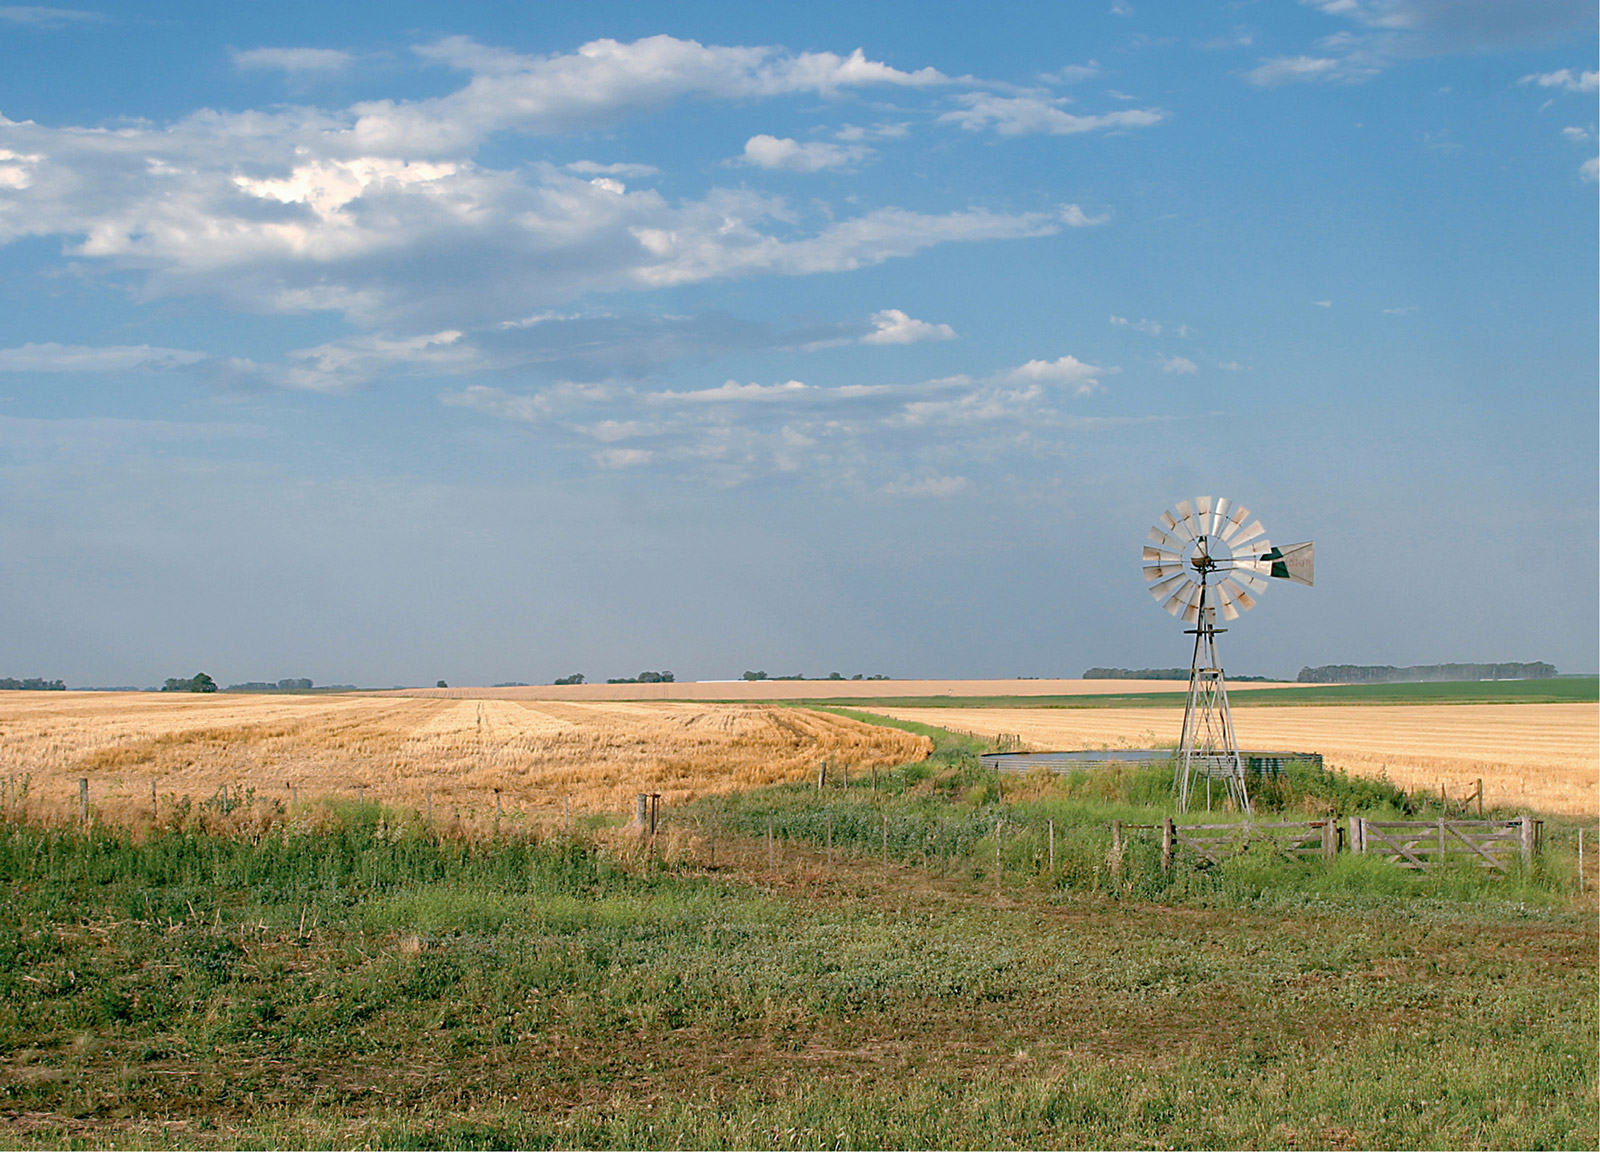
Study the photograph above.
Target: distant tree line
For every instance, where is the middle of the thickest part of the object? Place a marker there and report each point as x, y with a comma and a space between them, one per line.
798, 676
291, 684
575, 678
1423, 673
1150, 674
31, 684
199, 682
641, 678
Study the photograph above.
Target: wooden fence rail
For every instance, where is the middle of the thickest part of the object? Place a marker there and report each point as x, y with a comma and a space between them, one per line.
1421, 844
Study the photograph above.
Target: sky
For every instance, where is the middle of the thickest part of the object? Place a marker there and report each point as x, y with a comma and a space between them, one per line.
487, 342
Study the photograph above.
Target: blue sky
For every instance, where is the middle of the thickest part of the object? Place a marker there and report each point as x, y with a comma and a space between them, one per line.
381, 343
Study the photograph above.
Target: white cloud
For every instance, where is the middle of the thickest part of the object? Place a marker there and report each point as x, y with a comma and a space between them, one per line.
1565, 79
1323, 303
1072, 73
1179, 366
1148, 327
1293, 69
1067, 372
733, 391
892, 326
1027, 115
1231, 366
1576, 135
932, 486
1074, 217
1590, 170
1402, 310
632, 171
87, 358
293, 60
793, 156
622, 457
854, 134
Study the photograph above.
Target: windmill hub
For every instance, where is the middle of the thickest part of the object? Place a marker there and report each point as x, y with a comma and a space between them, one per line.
1233, 560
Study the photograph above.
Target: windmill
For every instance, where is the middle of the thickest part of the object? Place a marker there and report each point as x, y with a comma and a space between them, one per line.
1202, 556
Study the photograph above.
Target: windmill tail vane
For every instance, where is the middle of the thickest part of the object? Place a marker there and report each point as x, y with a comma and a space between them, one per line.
1204, 556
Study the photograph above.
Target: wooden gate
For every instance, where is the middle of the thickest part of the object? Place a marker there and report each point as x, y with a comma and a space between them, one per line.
1216, 842
1422, 844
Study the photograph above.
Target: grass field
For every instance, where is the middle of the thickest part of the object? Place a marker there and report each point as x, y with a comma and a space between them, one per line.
399, 751
351, 981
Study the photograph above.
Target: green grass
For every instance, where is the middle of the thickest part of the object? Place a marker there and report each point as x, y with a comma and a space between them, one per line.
1565, 690
363, 984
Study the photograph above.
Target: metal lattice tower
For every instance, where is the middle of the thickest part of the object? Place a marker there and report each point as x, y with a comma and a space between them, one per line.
1203, 556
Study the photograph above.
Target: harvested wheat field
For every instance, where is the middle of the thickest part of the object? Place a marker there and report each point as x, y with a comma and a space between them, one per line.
1541, 756
398, 750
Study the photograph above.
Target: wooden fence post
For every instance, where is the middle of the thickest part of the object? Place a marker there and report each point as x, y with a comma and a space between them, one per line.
641, 810
1167, 835
1526, 839
566, 814
1440, 863
1480, 798
155, 811
83, 801
822, 775
1358, 840
1330, 839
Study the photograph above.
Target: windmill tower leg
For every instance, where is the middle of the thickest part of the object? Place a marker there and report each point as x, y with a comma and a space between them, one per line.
1208, 747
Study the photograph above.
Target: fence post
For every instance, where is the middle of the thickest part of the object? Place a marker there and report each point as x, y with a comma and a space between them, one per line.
155, 810
1166, 844
1358, 838
1441, 843
1480, 798
566, 813
641, 810
1330, 839
822, 775
83, 800
1526, 839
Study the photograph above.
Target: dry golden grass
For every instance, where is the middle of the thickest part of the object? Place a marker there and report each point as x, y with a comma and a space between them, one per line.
399, 750
1541, 756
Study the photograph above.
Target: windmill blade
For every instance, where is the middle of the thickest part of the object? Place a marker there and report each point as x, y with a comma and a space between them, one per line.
1202, 514
1225, 601
1162, 571
1161, 556
1294, 563
1245, 600
1175, 526
1241, 542
1171, 543
1219, 516
1179, 599
1191, 613
1187, 514
1236, 518
1248, 581
1166, 586
1261, 567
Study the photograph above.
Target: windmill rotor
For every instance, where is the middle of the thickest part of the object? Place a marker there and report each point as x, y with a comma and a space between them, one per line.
1202, 557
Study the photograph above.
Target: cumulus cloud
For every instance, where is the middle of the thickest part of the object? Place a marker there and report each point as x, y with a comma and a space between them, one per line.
1566, 79
892, 326
631, 171
42, 17
293, 60
1067, 372
1590, 171
793, 156
1295, 69
1179, 366
1033, 114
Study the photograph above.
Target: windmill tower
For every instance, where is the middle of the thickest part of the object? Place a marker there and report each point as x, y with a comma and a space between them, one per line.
1203, 556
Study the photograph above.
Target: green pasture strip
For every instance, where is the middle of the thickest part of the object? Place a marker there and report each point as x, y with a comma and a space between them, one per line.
1566, 690
364, 984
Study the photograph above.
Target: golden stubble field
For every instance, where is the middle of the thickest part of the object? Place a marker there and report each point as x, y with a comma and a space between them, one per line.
399, 750
1540, 756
